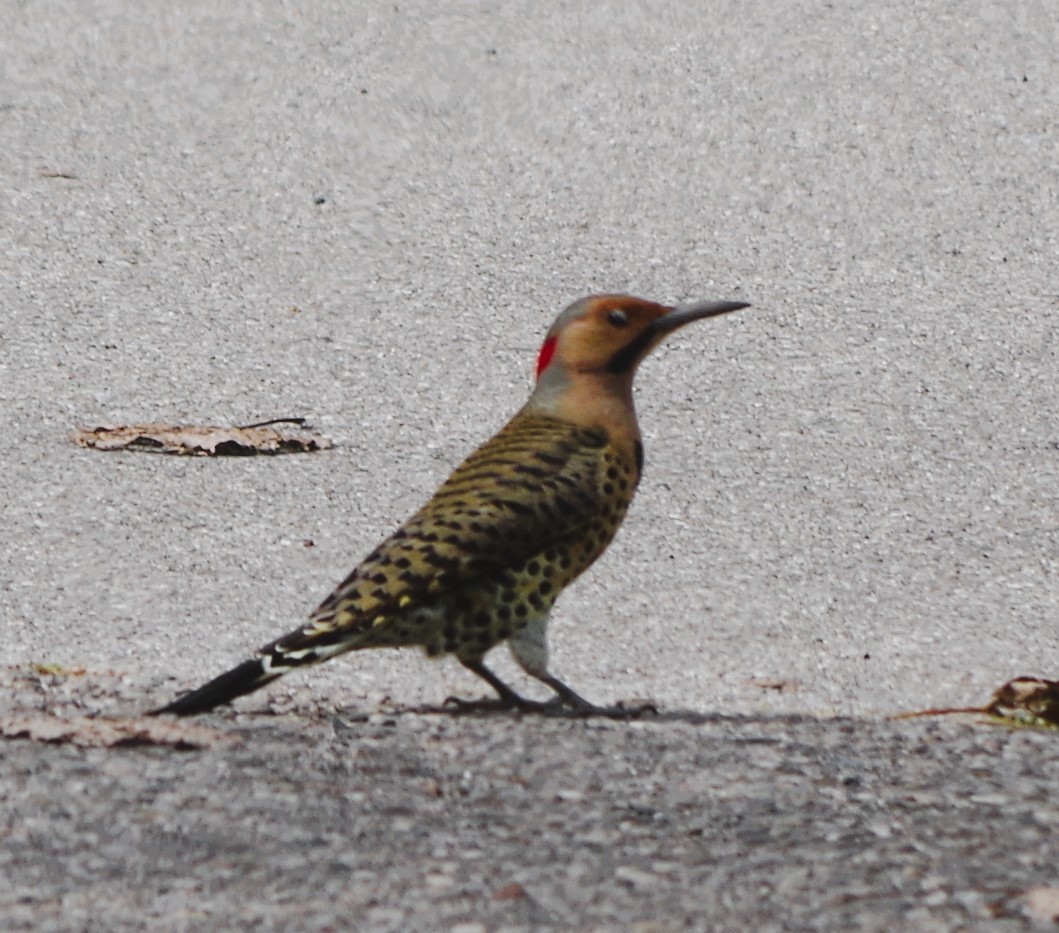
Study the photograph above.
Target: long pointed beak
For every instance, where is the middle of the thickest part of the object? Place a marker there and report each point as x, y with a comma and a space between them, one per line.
652, 335
685, 314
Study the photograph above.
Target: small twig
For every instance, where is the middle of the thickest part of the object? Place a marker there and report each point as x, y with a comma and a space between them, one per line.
265, 424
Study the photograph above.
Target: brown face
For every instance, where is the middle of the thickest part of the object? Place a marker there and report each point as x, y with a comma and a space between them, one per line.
612, 333
598, 333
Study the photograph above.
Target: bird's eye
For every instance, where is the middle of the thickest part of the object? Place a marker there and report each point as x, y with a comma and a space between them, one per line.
618, 318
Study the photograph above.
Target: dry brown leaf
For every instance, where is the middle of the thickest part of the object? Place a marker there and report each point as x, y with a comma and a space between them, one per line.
1024, 701
97, 732
203, 440
1031, 700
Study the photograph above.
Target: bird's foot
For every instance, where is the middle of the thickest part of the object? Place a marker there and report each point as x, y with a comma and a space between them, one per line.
578, 706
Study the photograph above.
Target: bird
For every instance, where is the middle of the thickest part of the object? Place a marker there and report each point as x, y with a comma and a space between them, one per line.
483, 561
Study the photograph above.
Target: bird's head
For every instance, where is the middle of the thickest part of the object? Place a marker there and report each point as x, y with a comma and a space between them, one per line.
592, 350
611, 334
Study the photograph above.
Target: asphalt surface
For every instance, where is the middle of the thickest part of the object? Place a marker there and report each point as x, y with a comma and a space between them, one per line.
369, 217
408, 820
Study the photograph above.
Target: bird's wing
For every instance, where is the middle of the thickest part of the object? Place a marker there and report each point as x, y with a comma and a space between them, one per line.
533, 485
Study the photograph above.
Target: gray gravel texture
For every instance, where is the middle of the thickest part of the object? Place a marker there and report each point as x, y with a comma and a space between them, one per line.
417, 822
368, 214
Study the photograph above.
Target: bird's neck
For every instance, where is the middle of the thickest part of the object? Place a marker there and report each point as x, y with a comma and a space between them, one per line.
600, 400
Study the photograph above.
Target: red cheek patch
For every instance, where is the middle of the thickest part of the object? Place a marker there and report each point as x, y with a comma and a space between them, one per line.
546, 354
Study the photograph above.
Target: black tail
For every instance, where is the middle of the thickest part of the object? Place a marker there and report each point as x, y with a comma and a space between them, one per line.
245, 678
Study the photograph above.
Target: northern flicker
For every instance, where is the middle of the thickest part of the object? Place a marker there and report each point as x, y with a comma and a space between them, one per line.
484, 560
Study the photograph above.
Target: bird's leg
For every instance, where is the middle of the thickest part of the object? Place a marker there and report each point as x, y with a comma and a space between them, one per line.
579, 706
507, 698
530, 649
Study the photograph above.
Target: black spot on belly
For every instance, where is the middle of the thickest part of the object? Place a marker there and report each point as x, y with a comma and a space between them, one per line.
518, 508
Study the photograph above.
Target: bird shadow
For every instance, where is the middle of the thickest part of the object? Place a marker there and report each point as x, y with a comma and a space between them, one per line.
646, 714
